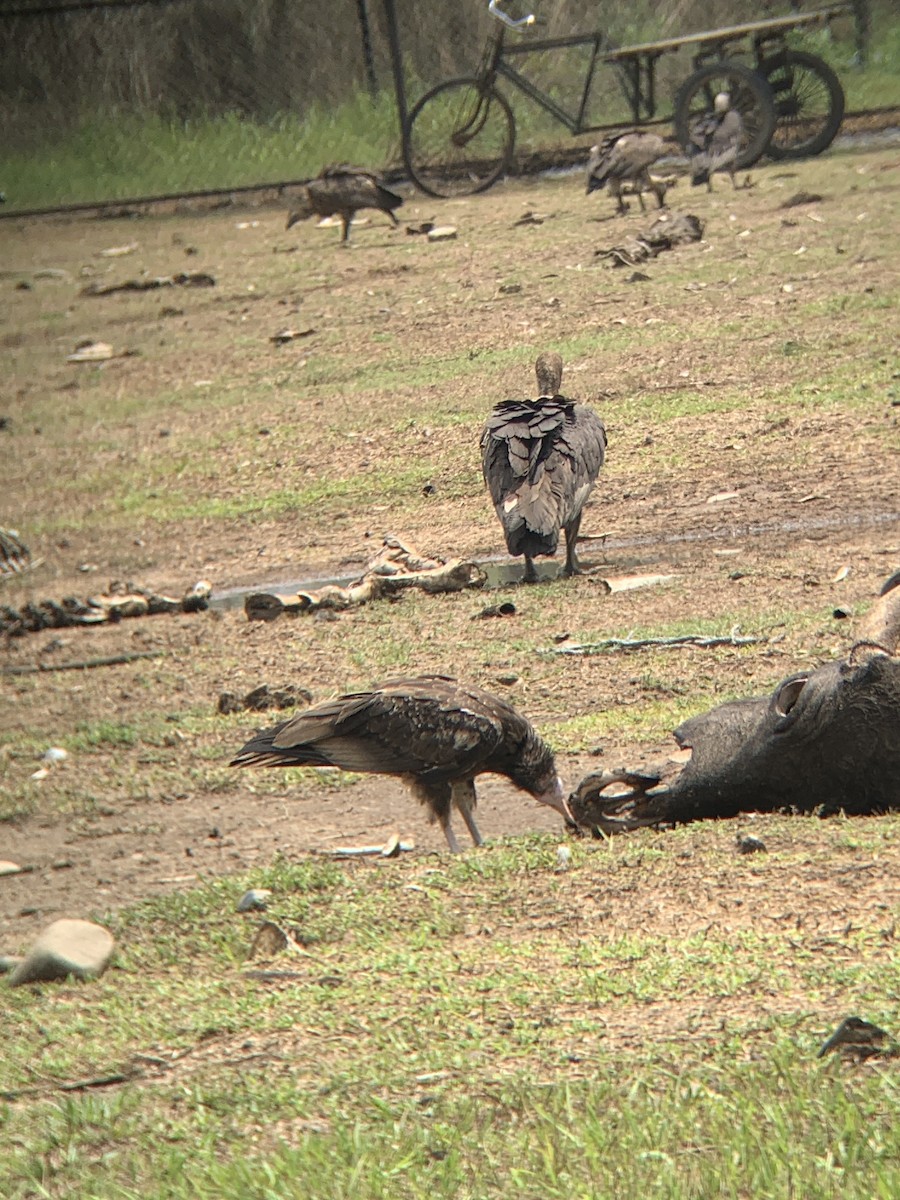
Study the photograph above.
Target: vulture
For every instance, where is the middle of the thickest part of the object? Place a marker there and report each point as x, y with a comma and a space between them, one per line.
431, 731
540, 460
343, 190
626, 157
716, 140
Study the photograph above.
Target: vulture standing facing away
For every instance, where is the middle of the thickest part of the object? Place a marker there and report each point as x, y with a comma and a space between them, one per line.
626, 157
343, 191
433, 732
716, 141
540, 460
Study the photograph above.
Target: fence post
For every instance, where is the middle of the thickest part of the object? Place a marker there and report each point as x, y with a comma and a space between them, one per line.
365, 31
390, 13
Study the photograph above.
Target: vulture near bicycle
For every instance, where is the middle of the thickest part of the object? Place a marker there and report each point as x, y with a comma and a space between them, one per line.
540, 460
627, 158
716, 140
433, 732
342, 191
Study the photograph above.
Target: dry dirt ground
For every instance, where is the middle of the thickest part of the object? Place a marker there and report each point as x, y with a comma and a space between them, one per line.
749, 389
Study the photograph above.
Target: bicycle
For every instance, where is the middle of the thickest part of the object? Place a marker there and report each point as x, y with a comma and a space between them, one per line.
459, 137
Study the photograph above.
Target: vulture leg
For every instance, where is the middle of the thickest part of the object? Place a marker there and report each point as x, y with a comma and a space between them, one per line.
346, 218
451, 837
464, 799
640, 196
393, 218
530, 572
731, 172
571, 567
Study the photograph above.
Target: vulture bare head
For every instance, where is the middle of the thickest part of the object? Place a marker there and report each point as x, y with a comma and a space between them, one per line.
301, 208
722, 102
549, 371
429, 730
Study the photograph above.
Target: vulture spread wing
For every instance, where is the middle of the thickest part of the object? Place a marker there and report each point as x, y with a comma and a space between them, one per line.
426, 727
540, 459
622, 156
353, 188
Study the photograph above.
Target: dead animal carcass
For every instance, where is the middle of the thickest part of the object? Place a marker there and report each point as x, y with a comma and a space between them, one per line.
825, 741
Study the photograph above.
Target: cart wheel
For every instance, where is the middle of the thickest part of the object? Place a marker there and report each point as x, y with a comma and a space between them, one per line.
809, 103
460, 138
755, 103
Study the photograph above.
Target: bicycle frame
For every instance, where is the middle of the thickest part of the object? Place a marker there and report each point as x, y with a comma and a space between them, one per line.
574, 123
635, 66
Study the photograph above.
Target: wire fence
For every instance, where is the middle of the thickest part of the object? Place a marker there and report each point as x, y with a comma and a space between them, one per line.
104, 99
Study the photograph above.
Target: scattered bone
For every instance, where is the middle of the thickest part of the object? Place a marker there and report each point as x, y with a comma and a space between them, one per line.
151, 283
442, 233
396, 568
290, 335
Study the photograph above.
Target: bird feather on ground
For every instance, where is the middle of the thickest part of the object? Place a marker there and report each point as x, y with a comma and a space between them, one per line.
540, 460
342, 191
433, 732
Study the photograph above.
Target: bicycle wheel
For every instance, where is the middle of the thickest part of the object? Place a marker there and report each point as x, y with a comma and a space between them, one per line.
750, 95
809, 103
460, 139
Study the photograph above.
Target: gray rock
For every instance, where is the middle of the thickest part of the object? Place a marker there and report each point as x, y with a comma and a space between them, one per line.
67, 947
9, 868
254, 900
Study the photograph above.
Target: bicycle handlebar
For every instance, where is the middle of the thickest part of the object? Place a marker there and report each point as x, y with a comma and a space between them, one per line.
497, 12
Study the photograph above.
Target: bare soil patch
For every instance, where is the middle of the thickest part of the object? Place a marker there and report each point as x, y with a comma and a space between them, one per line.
749, 391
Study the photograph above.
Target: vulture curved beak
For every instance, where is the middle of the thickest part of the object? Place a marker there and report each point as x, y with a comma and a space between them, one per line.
555, 797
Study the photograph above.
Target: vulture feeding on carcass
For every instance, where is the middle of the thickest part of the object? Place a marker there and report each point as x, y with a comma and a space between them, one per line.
342, 191
716, 141
540, 460
626, 158
433, 732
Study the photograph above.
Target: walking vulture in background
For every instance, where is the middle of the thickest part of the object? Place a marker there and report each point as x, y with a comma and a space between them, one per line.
716, 141
540, 460
343, 191
433, 732
626, 157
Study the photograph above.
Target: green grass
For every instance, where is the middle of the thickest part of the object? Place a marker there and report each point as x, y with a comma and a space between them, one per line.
417, 1049
117, 156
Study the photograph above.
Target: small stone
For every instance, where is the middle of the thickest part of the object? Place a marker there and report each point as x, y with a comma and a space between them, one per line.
508, 679
55, 754
442, 233
842, 612
563, 858
254, 900
9, 868
750, 845
67, 947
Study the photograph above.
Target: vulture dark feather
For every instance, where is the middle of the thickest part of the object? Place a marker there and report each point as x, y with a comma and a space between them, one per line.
342, 191
433, 732
716, 141
540, 460
626, 158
